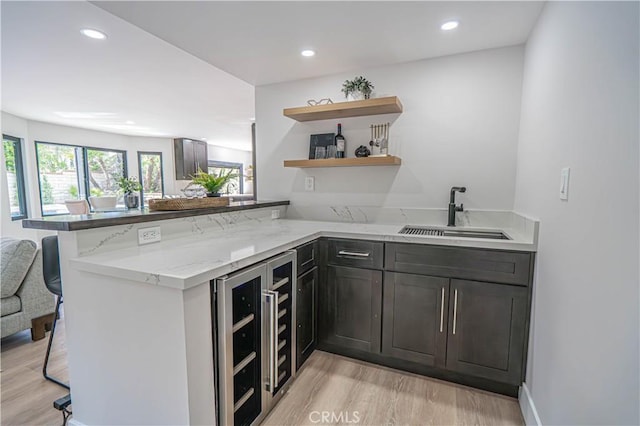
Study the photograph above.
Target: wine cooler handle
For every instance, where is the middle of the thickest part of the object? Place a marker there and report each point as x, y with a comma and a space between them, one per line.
274, 340
271, 301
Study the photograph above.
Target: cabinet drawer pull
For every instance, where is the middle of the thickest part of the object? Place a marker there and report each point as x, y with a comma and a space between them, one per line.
441, 310
353, 253
455, 309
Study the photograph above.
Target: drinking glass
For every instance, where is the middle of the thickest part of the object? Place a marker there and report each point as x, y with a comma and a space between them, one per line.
331, 151
320, 152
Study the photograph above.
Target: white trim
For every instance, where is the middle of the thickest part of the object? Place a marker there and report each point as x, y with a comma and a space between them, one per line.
528, 408
74, 422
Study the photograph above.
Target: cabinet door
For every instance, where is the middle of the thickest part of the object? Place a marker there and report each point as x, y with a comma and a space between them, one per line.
200, 156
415, 318
306, 315
353, 308
487, 326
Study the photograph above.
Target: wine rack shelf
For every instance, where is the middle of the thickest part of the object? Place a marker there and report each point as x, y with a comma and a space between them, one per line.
375, 106
389, 160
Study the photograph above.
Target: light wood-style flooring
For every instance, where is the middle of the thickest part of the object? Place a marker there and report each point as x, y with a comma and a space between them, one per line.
328, 383
348, 391
26, 397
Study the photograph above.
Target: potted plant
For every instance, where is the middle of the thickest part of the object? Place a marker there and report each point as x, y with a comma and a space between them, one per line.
357, 89
211, 182
130, 186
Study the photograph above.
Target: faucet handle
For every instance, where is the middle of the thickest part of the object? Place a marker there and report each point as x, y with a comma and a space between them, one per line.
460, 208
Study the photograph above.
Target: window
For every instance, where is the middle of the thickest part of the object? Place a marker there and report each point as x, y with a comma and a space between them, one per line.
68, 172
235, 185
12, 147
150, 172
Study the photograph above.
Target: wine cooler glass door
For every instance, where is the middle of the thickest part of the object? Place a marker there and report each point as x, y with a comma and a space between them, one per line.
281, 283
240, 343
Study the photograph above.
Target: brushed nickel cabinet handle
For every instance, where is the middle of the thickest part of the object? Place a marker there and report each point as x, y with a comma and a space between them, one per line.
353, 253
455, 310
442, 310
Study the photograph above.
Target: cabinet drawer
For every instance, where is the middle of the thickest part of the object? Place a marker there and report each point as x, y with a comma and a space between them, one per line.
307, 256
456, 262
356, 253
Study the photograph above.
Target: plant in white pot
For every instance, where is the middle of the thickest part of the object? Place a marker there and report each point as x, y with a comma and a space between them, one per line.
130, 187
357, 89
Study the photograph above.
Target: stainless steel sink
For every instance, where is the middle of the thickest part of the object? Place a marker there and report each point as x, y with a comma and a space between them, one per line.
464, 233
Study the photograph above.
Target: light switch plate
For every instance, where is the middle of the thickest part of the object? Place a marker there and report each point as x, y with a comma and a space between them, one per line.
309, 183
564, 183
275, 214
149, 235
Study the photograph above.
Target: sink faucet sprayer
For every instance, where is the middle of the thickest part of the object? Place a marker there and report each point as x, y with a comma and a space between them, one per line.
452, 205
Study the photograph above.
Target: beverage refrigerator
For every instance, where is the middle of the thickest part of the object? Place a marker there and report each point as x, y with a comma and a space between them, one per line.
254, 339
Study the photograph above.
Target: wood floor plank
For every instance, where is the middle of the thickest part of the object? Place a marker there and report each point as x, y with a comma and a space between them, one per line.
26, 397
349, 390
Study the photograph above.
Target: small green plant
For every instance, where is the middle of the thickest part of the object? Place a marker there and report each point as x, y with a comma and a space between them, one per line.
96, 192
212, 183
129, 185
357, 85
73, 191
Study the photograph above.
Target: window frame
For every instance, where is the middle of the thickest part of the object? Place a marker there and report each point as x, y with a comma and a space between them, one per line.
140, 154
84, 173
20, 178
230, 165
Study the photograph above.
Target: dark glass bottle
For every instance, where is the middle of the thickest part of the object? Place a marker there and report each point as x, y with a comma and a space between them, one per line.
341, 143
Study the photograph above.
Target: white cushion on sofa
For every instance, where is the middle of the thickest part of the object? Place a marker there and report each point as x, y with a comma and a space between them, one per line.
16, 257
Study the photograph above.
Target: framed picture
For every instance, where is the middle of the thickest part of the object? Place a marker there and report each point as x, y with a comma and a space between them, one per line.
322, 139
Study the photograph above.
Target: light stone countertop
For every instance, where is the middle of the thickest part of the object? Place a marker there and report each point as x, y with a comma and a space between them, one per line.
194, 259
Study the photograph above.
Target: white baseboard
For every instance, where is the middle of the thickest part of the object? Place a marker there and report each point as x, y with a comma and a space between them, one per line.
74, 422
528, 408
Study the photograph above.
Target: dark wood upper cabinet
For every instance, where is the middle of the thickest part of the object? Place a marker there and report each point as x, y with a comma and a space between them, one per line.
190, 155
487, 330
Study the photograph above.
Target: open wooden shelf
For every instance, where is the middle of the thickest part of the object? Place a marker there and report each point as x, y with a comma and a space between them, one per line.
388, 105
389, 160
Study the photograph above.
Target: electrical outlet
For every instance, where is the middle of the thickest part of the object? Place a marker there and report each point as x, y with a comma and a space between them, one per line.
149, 235
275, 214
309, 183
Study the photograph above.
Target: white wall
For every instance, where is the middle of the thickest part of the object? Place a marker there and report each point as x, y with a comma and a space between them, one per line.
459, 127
580, 110
31, 131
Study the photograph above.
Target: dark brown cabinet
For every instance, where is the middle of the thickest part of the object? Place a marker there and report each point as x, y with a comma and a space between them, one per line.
306, 314
488, 327
353, 308
308, 271
415, 312
190, 156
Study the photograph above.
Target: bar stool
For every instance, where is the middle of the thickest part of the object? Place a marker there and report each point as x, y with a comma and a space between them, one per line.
51, 273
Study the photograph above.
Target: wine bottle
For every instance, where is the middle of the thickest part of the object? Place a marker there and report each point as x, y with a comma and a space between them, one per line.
341, 143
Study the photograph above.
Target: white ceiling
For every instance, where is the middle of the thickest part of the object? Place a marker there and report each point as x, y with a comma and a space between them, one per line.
52, 73
260, 42
164, 65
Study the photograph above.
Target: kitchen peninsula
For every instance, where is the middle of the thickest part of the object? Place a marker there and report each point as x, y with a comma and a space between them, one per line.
139, 317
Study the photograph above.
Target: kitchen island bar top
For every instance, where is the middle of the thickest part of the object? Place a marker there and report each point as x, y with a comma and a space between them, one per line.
126, 217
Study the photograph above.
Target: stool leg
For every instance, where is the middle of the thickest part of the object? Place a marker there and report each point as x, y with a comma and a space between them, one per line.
46, 358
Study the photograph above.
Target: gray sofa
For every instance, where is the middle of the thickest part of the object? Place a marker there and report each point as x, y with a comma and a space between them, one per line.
25, 301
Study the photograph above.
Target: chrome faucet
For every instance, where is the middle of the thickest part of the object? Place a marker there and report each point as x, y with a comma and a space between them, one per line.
452, 205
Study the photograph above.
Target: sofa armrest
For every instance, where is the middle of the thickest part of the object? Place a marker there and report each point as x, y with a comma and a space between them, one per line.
36, 299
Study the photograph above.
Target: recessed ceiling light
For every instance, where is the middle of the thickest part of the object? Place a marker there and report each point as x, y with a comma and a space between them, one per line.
449, 25
98, 35
308, 52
